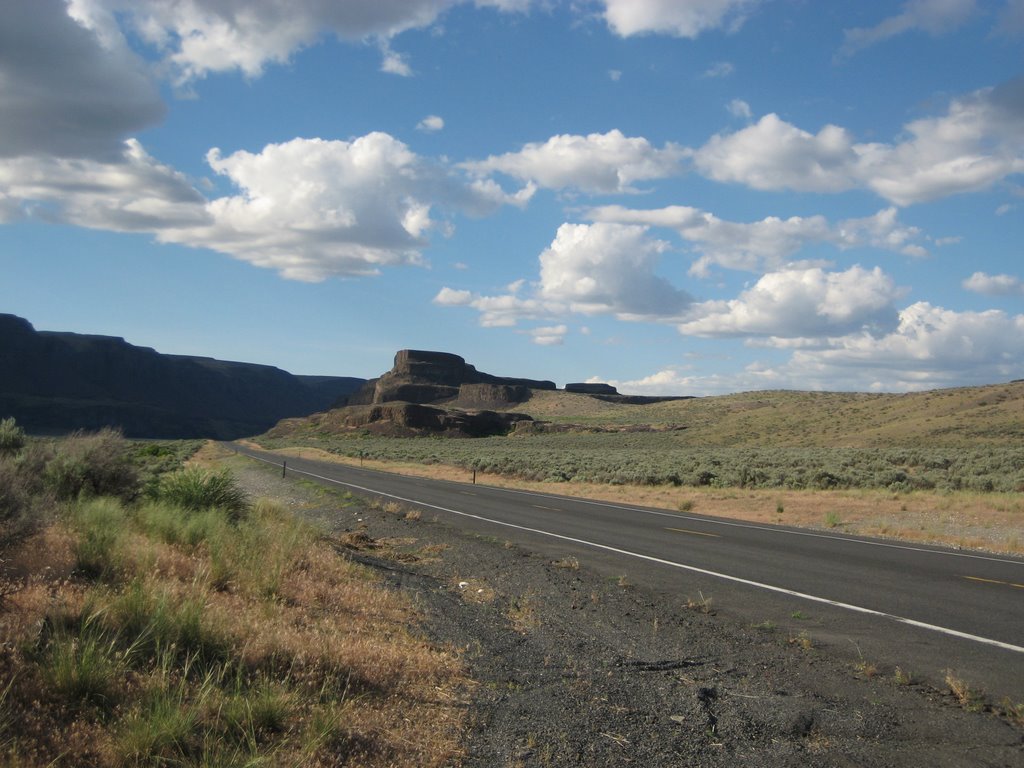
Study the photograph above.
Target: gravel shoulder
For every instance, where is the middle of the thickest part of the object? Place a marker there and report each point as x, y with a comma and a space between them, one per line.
575, 667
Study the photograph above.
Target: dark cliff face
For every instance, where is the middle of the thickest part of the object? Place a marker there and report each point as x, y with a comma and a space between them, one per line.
58, 382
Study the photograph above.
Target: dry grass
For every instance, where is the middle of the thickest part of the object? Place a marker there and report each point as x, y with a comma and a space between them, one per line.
986, 521
258, 644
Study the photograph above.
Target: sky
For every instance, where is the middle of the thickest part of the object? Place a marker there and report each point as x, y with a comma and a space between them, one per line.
678, 197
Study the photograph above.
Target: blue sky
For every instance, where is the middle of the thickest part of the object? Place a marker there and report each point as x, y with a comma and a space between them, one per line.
676, 196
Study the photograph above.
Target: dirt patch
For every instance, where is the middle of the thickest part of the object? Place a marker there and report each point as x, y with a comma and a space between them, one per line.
573, 667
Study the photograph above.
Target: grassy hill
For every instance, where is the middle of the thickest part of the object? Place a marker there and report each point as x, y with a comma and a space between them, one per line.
976, 416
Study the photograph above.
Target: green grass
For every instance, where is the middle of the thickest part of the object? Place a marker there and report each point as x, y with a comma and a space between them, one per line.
196, 489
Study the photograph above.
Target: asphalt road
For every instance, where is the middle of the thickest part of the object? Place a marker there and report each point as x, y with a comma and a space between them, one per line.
930, 607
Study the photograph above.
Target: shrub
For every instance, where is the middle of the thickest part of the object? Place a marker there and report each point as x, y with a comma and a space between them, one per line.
196, 489
93, 465
12, 437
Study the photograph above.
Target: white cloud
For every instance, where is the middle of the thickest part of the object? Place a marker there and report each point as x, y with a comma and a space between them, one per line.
69, 88
547, 336
608, 269
615, 75
773, 154
931, 347
936, 17
311, 208
308, 208
394, 63
739, 108
198, 37
497, 311
588, 269
681, 18
431, 124
802, 304
979, 141
449, 297
133, 193
596, 163
768, 244
720, 69
994, 285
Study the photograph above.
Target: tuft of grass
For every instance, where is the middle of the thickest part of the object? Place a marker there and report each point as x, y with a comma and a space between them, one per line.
196, 489
803, 640
903, 677
569, 563
832, 519
83, 664
100, 524
686, 505
1014, 710
969, 698
700, 604
413, 515
523, 614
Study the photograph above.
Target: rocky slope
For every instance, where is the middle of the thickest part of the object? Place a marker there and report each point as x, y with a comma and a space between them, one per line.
60, 382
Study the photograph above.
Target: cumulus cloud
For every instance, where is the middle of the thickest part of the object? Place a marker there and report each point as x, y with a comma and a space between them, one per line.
770, 243
719, 69
312, 208
671, 17
773, 154
394, 63
308, 208
608, 269
198, 37
69, 88
588, 269
133, 193
979, 141
596, 163
739, 108
930, 347
431, 123
802, 304
936, 17
994, 285
547, 336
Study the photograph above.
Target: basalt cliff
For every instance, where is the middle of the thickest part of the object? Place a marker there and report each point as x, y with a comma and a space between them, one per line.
60, 382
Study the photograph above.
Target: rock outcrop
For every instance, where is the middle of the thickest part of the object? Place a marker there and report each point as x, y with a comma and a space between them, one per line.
591, 389
423, 377
432, 392
59, 382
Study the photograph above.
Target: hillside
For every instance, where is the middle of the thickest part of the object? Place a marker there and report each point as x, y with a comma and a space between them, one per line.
986, 415
58, 382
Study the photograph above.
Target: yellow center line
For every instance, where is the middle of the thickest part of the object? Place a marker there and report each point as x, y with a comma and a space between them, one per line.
549, 509
695, 533
995, 581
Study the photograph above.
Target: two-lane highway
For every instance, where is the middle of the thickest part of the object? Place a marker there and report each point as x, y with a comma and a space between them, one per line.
967, 600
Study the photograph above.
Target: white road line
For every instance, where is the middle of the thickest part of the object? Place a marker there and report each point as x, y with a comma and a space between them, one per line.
755, 527
672, 564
